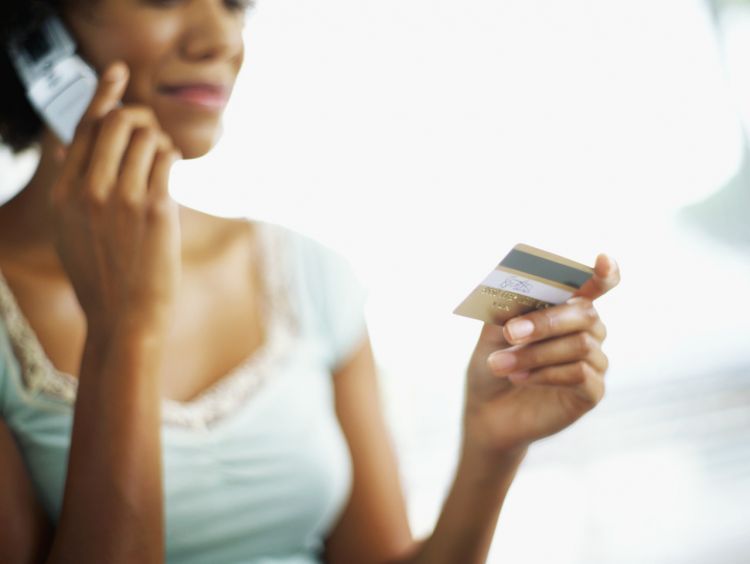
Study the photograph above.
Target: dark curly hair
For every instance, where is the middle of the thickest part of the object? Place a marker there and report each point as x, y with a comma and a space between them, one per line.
20, 125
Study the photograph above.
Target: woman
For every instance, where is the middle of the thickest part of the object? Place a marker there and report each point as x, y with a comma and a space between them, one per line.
221, 370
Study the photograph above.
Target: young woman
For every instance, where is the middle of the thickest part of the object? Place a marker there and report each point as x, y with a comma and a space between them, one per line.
185, 387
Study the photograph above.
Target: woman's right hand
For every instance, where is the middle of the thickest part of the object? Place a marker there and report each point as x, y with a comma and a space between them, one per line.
116, 227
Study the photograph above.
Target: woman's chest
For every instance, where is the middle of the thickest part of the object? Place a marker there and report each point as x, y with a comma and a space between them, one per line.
273, 475
269, 477
217, 323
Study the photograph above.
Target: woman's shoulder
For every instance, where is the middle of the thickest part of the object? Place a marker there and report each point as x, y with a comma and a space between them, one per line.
332, 294
292, 253
207, 233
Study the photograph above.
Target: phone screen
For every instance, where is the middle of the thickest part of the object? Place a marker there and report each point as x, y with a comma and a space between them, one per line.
36, 45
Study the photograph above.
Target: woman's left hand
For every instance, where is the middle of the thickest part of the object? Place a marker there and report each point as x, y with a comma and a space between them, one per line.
550, 371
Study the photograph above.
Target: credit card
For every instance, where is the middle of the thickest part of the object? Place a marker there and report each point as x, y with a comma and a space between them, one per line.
527, 279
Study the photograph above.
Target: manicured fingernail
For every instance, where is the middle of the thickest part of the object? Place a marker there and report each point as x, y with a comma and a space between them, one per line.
520, 329
501, 361
614, 268
574, 300
518, 376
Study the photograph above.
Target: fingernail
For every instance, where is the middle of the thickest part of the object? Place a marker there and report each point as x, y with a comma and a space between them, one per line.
115, 73
520, 329
518, 376
575, 300
59, 154
501, 362
614, 268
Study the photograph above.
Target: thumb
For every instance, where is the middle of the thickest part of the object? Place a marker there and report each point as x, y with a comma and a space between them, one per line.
606, 276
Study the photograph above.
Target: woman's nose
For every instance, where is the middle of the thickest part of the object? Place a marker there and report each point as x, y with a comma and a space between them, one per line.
214, 31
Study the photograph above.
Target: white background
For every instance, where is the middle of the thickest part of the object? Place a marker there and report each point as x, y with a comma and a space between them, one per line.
424, 138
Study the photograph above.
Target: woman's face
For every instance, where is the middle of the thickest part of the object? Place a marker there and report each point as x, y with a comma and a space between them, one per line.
183, 55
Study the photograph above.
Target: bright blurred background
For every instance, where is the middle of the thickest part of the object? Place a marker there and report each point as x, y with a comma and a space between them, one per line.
423, 138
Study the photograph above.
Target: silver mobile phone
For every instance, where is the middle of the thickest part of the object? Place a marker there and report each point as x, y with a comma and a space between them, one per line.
59, 84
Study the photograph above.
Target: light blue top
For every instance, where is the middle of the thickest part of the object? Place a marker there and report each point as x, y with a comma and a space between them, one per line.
256, 469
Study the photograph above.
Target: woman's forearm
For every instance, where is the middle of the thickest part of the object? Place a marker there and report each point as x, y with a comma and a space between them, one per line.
466, 525
112, 507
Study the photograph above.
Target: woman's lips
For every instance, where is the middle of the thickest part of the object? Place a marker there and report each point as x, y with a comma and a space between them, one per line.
208, 96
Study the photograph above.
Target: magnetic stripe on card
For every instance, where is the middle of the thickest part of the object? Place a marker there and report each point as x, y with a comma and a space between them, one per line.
545, 268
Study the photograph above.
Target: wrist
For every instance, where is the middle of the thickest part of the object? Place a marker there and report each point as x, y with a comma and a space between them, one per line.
480, 439
105, 340
490, 465
133, 328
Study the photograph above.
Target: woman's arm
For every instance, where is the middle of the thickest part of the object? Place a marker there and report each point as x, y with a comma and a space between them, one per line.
25, 530
112, 507
374, 528
464, 531
117, 236
557, 376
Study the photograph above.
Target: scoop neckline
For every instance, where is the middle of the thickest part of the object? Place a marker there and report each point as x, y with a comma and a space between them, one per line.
27, 345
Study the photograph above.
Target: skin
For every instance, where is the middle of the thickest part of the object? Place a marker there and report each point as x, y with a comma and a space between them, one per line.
96, 232
185, 41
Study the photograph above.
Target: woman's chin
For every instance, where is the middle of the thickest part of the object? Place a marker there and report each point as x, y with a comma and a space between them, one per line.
192, 151
194, 146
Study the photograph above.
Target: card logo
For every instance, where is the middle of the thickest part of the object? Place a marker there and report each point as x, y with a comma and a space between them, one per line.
514, 284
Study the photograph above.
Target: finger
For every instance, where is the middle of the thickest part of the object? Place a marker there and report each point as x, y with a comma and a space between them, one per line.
562, 350
114, 136
578, 314
606, 276
581, 376
59, 152
109, 92
136, 168
599, 330
158, 183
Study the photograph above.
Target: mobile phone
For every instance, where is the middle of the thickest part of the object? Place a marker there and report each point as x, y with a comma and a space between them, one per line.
59, 84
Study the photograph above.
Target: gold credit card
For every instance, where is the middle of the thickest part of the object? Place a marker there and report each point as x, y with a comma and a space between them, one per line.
525, 280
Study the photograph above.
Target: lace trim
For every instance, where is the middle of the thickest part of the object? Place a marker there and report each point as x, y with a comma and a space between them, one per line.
234, 389
37, 372
220, 399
